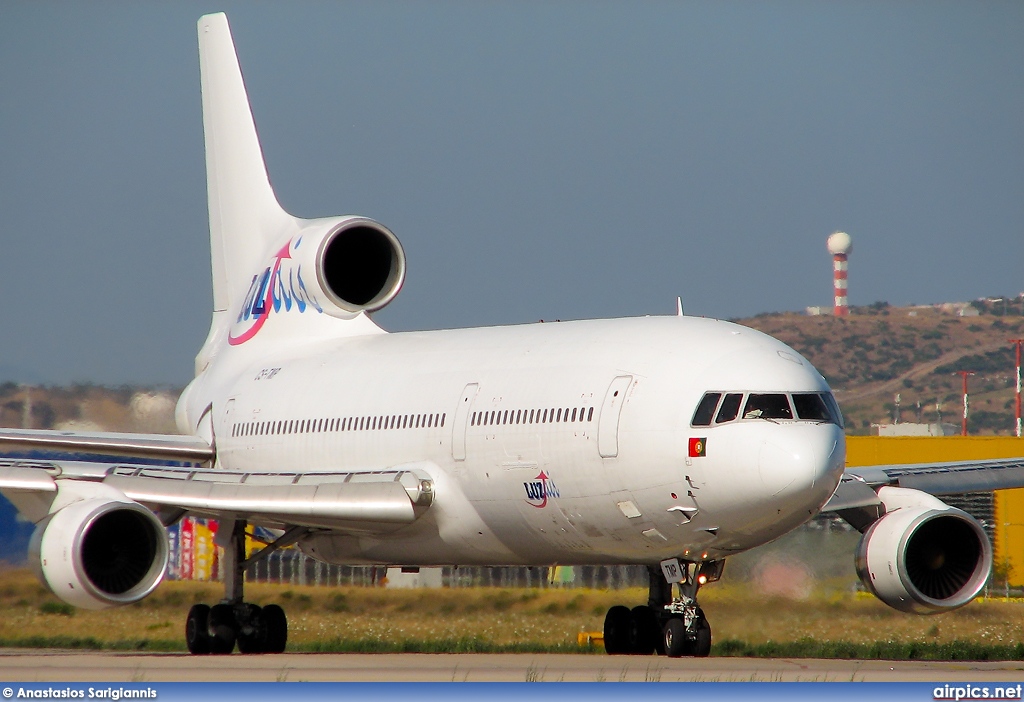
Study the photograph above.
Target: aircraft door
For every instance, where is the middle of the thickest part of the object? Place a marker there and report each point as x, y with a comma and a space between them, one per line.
461, 420
608, 422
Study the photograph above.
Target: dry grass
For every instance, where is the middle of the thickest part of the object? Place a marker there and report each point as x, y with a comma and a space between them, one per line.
328, 617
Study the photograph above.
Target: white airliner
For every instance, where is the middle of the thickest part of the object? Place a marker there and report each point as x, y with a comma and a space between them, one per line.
672, 442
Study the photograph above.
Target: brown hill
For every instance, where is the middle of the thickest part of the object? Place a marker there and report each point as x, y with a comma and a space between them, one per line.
881, 351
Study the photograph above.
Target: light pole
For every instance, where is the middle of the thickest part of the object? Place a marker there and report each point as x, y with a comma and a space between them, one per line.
964, 375
1017, 343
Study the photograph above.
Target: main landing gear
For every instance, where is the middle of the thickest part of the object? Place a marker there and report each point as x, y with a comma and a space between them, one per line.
254, 629
665, 625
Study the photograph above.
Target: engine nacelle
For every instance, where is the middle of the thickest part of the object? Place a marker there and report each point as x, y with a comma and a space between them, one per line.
924, 556
359, 265
98, 553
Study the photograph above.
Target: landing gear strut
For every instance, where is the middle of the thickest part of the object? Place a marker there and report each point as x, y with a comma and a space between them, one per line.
665, 625
254, 629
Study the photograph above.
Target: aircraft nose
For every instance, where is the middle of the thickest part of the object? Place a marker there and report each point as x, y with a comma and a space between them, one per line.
802, 459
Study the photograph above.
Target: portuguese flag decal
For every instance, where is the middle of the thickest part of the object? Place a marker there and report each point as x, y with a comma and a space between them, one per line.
698, 447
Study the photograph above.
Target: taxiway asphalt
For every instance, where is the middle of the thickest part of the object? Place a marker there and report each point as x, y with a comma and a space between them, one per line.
63, 666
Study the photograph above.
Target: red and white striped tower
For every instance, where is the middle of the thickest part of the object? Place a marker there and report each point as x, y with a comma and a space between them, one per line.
840, 246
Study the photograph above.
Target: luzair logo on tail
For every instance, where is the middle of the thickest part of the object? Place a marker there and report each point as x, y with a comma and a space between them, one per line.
279, 288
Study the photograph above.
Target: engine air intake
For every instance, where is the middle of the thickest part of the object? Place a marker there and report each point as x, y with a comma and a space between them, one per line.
118, 551
942, 556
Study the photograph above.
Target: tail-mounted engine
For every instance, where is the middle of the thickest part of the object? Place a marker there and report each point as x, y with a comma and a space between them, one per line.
923, 556
98, 553
359, 265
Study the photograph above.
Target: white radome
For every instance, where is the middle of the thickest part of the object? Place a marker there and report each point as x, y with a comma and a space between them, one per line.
839, 243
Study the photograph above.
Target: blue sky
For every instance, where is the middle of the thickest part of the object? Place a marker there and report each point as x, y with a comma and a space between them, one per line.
537, 160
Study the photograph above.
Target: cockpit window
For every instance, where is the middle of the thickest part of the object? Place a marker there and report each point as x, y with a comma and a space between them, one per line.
837, 414
706, 409
730, 407
767, 406
818, 407
810, 405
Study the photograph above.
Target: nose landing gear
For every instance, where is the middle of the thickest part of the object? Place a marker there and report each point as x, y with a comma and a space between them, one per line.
673, 626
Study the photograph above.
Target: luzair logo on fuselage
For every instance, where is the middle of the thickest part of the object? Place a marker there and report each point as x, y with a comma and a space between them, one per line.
279, 288
539, 490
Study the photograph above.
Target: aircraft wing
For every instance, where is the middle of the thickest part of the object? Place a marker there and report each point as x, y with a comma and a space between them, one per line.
355, 501
857, 501
162, 447
945, 478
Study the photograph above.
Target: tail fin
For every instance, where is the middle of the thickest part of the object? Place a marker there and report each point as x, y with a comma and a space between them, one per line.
245, 216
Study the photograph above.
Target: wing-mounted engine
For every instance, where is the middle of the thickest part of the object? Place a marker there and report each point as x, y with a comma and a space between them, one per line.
100, 552
359, 264
923, 556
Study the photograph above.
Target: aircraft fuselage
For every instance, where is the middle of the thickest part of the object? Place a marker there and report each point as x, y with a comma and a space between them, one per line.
565, 442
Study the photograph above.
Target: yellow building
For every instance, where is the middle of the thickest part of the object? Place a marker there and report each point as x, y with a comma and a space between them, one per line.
1008, 543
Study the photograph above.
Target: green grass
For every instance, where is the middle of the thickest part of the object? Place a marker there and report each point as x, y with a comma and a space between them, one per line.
90, 643
804, 648
829, 620
878, 650
463, 645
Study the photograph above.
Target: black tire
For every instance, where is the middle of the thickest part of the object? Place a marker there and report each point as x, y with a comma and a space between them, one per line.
222, 628
197, 634
676, 643
702, 643
275, 627
645, 632
618, 625
255, 640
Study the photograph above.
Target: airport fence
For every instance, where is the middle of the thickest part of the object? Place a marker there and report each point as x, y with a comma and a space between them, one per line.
291, 567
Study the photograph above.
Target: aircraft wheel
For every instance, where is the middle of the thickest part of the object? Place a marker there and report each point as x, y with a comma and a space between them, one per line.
222, 628
197, 635
254, 639
618, 625
644, 633
702, 644
275, 626
676, 644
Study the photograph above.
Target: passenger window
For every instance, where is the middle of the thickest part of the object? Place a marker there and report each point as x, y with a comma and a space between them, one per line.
767, 406
730, 407
810, 405
705, 409
590, 414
